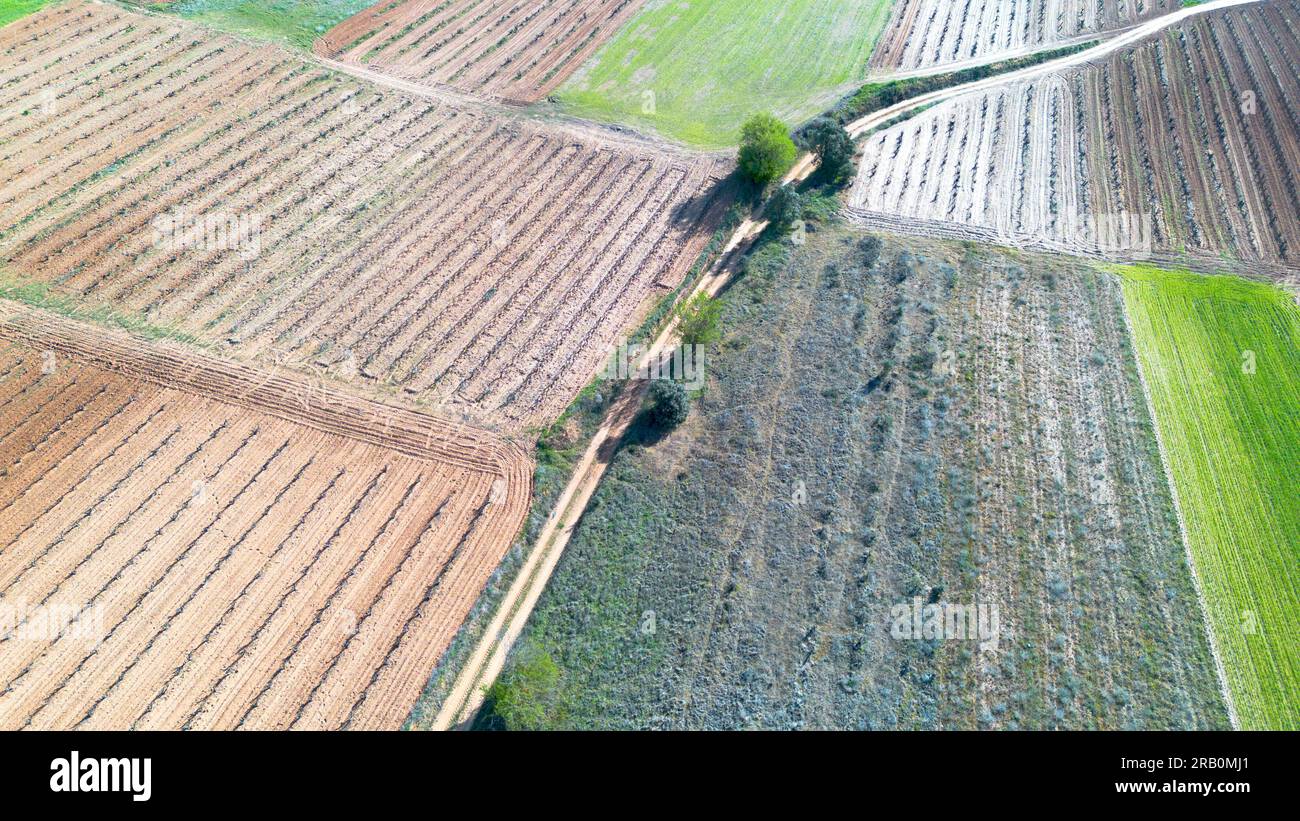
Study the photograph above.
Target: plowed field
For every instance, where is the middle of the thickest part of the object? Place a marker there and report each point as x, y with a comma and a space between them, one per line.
925, 33
513, 49
242, 549
483, 265
1185, 145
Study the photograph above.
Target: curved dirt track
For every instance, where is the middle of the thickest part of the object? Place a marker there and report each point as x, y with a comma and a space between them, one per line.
1144, 152
1129, 37
489, 655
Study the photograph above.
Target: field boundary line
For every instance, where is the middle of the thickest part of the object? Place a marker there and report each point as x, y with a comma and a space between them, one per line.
886, 76
614, 136
275, 391
1219, 669
870, 219
626, 138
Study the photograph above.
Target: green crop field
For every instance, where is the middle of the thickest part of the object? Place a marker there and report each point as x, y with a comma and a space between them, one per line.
11, 10
295, 22
1221, 356
695, 71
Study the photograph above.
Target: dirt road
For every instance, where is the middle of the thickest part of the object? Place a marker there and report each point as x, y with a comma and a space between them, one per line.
489, 655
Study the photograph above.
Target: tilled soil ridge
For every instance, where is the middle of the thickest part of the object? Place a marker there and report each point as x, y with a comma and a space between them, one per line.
278, 392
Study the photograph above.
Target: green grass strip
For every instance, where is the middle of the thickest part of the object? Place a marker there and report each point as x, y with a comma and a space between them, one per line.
696, 71
11, 10
1221, 357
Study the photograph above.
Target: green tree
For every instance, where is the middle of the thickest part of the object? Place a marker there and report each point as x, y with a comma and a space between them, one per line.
699, 320
528, 695
766, 150
785, 206
669, 404
833, 146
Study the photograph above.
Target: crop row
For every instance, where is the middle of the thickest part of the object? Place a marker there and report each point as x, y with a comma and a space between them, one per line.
1219, 357
211, 551
923, 33
1185, 144
516, 50
481, 264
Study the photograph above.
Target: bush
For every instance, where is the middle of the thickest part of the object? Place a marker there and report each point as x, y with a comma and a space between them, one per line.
869, 247
527, 696
766, 150
923, 360
669, 404
785, 206
700, 320
833, 146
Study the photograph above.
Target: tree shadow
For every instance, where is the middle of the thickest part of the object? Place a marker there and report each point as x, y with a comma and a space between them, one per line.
714, 199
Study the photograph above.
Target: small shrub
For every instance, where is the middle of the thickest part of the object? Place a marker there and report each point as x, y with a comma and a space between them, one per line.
669, 404
527, 696
923, 360
833, 146
869, 247
700, 320
785, 207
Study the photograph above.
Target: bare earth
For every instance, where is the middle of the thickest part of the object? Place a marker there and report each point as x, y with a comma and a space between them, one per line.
255, 552
479, 265
509, 49
930, 33
1158, 150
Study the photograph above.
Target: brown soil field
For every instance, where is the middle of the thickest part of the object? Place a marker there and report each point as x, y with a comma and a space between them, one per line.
476, 264
1182, 147
244, 549
927, 33
519, 50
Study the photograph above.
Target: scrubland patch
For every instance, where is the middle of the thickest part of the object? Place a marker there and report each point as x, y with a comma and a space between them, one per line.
890, 423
